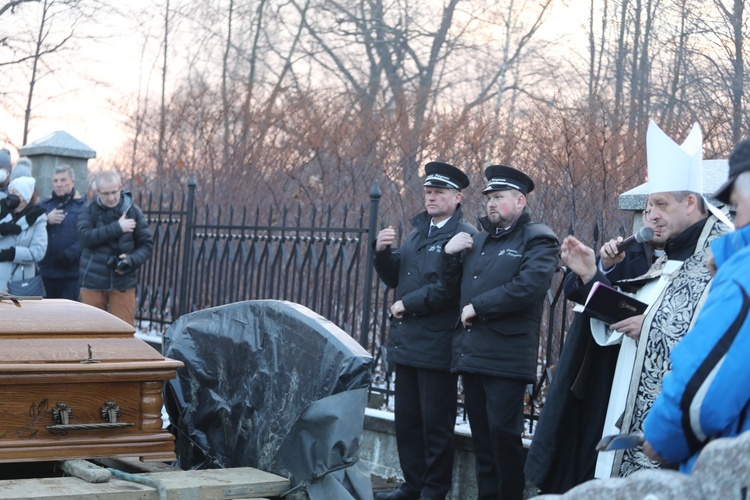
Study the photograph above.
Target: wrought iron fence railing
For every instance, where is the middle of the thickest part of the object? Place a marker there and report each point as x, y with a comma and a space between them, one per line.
208, 256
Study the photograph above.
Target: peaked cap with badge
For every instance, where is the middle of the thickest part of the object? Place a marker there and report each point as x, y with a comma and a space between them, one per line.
503, 177
445, 175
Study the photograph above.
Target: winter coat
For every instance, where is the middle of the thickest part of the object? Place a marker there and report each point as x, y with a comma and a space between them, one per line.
63, 250
30, 245
102, 240
707, 395
505, 277
422, 338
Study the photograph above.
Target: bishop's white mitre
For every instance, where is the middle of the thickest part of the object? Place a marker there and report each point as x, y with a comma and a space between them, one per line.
677, 167
672, 166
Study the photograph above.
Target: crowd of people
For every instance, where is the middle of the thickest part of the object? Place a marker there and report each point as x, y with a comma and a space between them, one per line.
85, 249
468, 304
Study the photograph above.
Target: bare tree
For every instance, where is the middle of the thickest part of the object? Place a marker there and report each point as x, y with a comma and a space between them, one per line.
50, 40
597, 49
163, 107
734, 53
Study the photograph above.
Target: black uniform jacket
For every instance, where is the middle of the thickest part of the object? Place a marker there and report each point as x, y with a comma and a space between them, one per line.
505, 276
423, 337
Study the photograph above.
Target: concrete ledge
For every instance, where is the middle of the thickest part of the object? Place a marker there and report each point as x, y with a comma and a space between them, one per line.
380, 453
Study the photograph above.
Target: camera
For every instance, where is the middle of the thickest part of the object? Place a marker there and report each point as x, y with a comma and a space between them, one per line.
124, 265
120, 265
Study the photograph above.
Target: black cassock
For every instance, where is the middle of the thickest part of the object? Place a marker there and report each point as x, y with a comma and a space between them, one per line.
563, 451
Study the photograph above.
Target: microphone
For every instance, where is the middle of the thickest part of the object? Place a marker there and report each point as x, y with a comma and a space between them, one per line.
644, 234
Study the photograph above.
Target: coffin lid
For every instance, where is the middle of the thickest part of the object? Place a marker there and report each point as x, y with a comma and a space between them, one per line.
60, 331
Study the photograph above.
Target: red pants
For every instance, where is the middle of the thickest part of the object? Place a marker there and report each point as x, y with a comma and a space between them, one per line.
120, 304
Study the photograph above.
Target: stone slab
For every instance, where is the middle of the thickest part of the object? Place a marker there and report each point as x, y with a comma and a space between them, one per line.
236, 483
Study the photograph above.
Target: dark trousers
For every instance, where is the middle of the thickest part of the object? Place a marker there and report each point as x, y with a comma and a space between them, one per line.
495, 409
62, 288
425, 418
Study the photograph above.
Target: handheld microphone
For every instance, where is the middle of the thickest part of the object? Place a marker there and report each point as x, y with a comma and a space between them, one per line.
644, 234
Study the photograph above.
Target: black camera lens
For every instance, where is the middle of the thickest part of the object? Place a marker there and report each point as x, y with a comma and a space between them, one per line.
124, 265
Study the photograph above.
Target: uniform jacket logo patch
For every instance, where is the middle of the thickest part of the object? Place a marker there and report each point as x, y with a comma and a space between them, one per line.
510, 252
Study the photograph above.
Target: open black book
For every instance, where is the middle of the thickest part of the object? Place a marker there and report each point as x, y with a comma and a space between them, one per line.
610, 305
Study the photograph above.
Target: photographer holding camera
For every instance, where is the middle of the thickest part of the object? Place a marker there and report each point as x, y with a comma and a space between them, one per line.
115, 241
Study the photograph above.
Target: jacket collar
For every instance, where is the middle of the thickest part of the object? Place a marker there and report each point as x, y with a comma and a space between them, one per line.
126, 201
725, 247
496, 232
683, 246
66, 198
422, 221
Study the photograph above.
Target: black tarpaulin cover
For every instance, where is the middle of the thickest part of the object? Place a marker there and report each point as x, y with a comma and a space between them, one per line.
272, 385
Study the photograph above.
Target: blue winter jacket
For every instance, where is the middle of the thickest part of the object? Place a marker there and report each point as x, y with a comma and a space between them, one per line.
63, 250
707, 394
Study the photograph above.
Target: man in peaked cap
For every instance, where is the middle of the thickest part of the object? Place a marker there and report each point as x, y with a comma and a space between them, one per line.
504, 273
705, 395
590, 399
423, 323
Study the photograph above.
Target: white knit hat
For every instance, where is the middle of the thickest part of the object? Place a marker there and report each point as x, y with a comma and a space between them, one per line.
24, 186
671, 166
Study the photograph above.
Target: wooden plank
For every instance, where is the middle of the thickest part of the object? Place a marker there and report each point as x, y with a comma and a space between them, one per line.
236, 483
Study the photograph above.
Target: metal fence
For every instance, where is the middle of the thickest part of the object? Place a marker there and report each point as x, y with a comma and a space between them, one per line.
208, 256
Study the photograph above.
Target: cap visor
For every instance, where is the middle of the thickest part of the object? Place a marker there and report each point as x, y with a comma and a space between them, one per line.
725, 191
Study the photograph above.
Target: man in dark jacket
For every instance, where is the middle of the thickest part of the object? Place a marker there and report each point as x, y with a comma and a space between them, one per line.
115, 240
425, 315
507, 269
59, 268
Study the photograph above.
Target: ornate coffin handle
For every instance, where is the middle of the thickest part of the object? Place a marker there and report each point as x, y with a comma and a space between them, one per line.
110, 410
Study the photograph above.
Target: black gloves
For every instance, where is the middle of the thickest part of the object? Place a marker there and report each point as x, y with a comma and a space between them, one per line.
34, 214
8, 254
9, 228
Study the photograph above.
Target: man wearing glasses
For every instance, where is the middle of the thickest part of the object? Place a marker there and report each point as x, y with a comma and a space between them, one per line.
115, 241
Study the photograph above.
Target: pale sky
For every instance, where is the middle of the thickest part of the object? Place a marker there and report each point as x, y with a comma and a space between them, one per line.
86, 97
93, 111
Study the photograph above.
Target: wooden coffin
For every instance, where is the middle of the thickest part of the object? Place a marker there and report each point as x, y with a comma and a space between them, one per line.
76, 383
